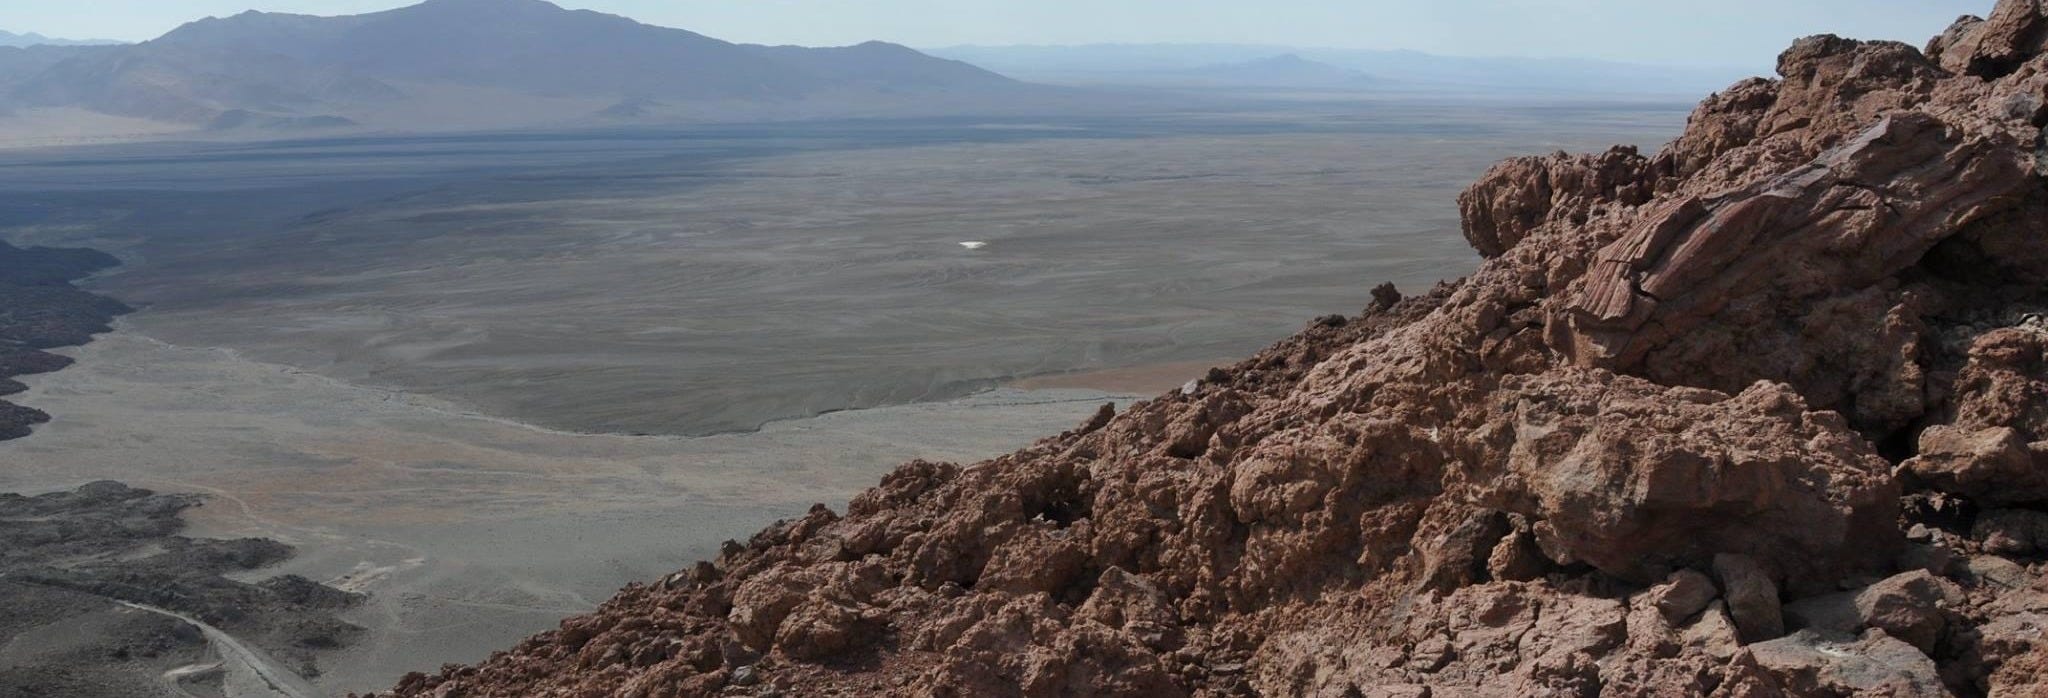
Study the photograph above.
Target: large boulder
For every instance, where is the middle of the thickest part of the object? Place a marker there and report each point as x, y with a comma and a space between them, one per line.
1993, 464
1995, 446
1994, 47
1819, 665
1638, 480
1521, 194
1915, 607
1719, 291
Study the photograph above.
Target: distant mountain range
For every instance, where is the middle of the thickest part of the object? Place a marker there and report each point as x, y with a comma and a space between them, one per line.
469, 62
34, 39
453, 65
1284, 70
1283, 66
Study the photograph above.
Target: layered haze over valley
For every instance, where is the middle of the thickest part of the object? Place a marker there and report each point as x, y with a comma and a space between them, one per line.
447, 66
434, 325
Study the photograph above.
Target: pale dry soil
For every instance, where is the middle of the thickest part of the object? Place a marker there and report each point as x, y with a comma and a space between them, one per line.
704, 283
468, 531
489, 379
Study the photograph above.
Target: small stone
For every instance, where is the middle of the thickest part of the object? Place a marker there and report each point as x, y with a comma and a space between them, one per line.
1385, 296
1460, 557
2012, 531
1996, 572
1430, 655
744, 676
1992, 465
1516, 558
1752, 597
1910, 607
1714, 633
1936, 559
1684, 593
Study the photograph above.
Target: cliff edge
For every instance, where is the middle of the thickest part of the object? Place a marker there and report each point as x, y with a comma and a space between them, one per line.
1762, 414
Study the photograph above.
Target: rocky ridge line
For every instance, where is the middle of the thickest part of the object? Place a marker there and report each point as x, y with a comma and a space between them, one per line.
1764, 414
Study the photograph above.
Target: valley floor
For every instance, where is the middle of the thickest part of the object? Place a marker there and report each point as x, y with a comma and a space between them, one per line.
487, 380
442, 516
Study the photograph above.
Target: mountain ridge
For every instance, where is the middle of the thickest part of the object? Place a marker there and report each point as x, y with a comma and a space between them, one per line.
280, 68
1114, 63
8, 38
1283, 70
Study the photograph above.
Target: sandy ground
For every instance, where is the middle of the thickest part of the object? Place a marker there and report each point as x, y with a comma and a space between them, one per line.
624, 294
469, 532
66, 126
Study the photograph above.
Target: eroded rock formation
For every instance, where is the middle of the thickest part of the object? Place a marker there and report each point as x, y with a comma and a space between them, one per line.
1763, 414
70, 560
44, 311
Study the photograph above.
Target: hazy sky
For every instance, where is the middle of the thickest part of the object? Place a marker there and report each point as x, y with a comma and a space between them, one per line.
1721, 32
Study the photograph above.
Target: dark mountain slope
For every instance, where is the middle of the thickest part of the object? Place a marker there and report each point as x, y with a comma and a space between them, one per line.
522, 45
285, 66
194, 84
21, 64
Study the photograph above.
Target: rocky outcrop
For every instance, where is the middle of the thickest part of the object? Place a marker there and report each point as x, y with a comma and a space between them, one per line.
1995, 47
40, 309
1755, 416
1701, 278
68, 560
1519, 195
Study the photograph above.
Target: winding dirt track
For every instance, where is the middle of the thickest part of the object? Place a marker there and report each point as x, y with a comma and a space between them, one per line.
250, 673
175, 678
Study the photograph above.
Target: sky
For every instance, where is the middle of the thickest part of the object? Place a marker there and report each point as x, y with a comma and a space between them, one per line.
1671, 32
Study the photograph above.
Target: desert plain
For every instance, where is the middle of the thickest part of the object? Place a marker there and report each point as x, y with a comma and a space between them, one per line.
421, 359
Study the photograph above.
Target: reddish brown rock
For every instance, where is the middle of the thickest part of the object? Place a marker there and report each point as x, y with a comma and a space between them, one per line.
1686, 593
1692, 285
1915, 607
1993, 464
1752, 597
1637, 479
2016, 646
2013, 531
1714, 634
1810, 664
1995, 47
1519, 195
